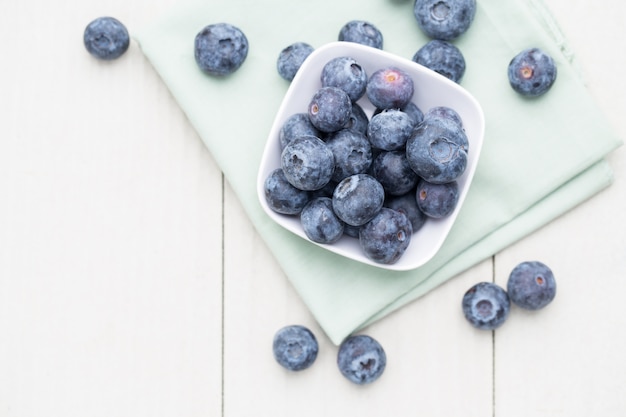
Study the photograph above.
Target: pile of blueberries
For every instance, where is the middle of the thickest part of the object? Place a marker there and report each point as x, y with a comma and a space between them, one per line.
371, 178
376, 179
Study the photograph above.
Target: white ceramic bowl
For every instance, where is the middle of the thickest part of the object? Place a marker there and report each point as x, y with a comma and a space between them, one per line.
431, 89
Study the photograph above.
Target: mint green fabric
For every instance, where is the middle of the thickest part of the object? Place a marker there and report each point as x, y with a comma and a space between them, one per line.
541, 157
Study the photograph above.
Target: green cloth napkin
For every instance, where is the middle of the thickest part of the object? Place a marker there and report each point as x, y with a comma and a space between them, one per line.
541, 157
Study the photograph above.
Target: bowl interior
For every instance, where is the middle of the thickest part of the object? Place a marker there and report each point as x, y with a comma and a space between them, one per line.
431, 89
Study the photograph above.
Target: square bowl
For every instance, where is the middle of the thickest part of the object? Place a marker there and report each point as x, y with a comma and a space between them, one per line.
431, 89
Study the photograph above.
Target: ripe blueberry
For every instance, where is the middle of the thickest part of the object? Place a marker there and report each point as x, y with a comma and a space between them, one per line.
220, 49
531, 285
361, 359
486, 306
106, 38
295, 347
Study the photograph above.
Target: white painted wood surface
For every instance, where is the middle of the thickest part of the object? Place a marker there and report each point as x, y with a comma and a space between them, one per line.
132, 283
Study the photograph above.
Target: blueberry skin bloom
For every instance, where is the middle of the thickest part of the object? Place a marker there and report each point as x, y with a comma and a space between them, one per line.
358, 198
437, 200
362, 32
330, 109
390, 88
486, 306
532, 72
447, 114
444, 19
346, 73
390, 129
437, 151
296, 125
281, 196
361, 359
106, 38
531, 285
394, 173
308, 163
443, 58
407, 204
290, 59
319, 221
352, 152
385, 238
295, 347
220, 49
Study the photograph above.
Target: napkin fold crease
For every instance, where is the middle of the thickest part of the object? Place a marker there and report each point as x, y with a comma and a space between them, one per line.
541, 157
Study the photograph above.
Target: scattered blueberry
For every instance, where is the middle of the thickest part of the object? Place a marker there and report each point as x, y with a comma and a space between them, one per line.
407, 204
444, 19
220, 49
319, 221
346, 73
295, 347
532, 72
486, 306
385, 238
330, 109
361, 359
443, 58
296, 125
437, 151
358, 198
281, 196
531, 285
437, 200
390, 129
352, 152
390, 88
106, 38
394, 173
290, 59
308, 163
359, 31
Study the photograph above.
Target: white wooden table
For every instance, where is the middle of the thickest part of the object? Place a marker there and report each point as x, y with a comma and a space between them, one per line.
132, 284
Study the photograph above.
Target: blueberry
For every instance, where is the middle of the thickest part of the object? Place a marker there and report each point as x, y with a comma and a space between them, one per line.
407, 204
390, 88
351, 231
486, 306
358, 119
414, 112
295, 347
330, 109
362, 32
220, 49
352, 152
346, 73
319, 221
394, 173
437, 200
281, 196
308, 163
443, 58
531, 285
385, 238
445, 113
532, 72
290, 59
106, 38
296, 125
390, 129
437, 151
358, 198
361, 359
444, 19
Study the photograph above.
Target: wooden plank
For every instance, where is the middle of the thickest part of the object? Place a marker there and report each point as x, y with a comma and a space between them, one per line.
568, 358
110, 231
